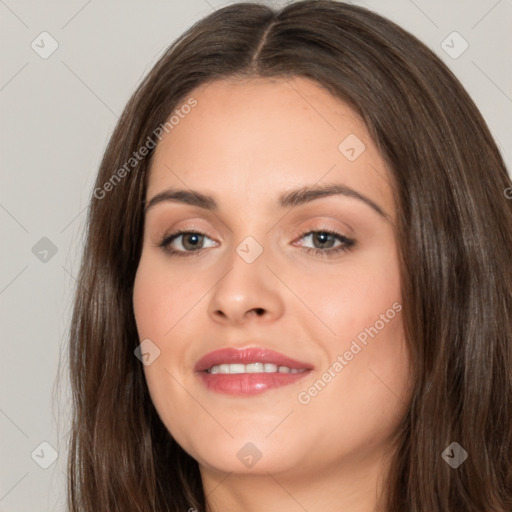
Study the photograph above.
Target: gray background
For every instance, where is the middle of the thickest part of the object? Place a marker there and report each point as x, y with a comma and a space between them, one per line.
57, 115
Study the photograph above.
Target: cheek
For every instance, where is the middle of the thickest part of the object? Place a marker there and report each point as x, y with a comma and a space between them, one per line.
351, 296
363, 390
366, 367
161, 299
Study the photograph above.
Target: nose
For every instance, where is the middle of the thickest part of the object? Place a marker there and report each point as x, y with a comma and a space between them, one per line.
246, 291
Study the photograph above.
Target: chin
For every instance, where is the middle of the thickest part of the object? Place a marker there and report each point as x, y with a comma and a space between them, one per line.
248, 455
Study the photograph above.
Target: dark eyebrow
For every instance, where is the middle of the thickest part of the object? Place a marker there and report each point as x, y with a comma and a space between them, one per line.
183, 196
291, 198
306, 194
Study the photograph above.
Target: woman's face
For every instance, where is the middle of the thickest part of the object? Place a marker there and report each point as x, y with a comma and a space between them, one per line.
264, 272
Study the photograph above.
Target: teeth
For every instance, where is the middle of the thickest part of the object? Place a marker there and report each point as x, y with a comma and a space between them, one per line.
252, 368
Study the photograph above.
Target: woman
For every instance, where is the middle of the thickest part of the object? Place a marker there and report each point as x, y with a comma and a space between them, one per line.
296, 289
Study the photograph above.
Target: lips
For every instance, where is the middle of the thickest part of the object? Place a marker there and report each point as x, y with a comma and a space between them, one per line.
228, 362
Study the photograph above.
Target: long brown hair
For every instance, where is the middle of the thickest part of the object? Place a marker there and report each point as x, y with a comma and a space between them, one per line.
455, 241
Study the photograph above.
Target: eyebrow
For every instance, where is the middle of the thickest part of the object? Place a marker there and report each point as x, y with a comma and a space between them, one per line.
290, 198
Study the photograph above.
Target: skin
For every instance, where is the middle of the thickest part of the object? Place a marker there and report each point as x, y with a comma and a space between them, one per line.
245, 143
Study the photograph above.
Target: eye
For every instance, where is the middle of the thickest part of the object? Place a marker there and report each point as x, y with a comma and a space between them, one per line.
325, 241
191, 241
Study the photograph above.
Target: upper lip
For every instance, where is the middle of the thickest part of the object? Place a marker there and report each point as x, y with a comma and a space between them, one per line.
231, 355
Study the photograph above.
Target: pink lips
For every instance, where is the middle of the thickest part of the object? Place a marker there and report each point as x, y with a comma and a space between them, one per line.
248, 383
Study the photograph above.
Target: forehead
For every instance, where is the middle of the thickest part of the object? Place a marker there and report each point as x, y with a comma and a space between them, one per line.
267, 135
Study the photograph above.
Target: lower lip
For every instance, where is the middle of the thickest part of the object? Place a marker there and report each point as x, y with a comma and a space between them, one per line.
248, 383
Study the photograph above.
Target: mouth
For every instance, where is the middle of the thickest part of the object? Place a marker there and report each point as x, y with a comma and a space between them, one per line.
248, 371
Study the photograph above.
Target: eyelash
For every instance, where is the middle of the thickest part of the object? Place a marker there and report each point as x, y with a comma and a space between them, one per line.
347, 243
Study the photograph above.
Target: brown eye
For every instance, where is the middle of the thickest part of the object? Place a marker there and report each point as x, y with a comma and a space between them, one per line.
190, 241
324, 243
